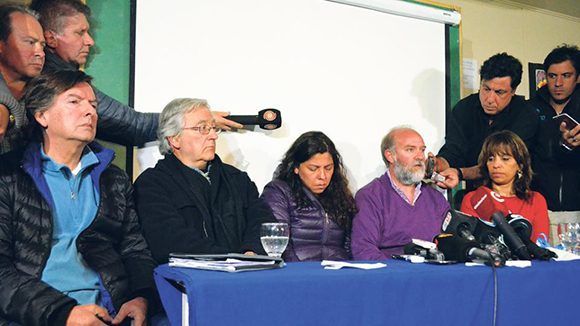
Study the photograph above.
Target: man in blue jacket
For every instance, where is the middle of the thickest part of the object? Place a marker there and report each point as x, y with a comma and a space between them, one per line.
71, 249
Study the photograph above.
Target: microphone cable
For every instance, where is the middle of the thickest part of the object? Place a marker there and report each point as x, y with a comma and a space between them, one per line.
495, 295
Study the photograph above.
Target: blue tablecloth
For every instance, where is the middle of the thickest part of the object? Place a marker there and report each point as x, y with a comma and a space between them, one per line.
400, 294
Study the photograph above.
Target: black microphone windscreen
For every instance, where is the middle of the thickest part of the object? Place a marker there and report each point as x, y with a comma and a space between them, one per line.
454, 247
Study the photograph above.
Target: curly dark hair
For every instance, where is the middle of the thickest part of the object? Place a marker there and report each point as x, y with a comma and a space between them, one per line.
563, 53
507, 142
336, 199
502, 65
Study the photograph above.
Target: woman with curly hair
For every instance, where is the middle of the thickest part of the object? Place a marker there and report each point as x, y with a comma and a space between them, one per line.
504, 163
310, 193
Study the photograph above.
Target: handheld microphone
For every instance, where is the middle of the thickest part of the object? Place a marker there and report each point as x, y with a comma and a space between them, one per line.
512, 239
460, 249
486, 202
268, 119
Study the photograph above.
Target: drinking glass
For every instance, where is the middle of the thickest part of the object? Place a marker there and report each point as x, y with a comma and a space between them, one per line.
274, 237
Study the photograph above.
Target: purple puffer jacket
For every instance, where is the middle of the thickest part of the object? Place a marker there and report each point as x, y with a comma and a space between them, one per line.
313, 235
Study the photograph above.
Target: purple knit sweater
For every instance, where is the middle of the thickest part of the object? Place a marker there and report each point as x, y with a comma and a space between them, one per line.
385, 222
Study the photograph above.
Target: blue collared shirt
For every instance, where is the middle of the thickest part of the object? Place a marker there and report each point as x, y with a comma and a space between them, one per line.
76, 202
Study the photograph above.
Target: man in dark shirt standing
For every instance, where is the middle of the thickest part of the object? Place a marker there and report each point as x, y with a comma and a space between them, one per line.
556, 157
494, 108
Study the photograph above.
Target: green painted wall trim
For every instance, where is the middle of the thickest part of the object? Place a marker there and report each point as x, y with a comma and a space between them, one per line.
454, 66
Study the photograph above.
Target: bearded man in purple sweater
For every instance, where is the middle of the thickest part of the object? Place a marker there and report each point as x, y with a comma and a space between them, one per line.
397, 207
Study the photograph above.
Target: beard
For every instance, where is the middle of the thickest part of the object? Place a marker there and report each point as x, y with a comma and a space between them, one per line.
410, 175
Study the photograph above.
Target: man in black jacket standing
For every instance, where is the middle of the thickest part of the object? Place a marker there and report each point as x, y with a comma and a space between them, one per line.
71, 249
191, 201
496, 107
556, 156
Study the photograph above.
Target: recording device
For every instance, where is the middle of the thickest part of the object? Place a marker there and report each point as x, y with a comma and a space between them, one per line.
430, 171
457, 248
459, 223
430, 254
513, 241
268, 119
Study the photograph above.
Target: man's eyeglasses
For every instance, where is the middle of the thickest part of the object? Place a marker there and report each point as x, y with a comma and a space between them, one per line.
204, 130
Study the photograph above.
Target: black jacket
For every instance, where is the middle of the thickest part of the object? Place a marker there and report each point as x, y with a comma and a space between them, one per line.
557, 170
112, 245
181, 211
118, 123
468, 126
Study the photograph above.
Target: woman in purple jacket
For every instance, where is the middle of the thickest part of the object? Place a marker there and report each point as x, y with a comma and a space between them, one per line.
310, 193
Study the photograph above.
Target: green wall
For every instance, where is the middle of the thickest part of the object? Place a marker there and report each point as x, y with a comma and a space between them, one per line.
110, 59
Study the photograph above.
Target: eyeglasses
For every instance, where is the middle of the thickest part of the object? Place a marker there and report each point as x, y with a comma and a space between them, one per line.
205, 129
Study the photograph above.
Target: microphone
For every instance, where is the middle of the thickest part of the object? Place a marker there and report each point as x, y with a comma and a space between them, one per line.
459, 223
462, 250
486, 202
268, 119
511, 238
523, 229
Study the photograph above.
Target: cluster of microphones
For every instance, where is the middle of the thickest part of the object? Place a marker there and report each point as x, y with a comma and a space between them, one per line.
492, 238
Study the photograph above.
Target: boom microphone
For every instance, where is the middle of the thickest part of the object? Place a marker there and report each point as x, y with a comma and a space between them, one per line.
268, 119
512, 239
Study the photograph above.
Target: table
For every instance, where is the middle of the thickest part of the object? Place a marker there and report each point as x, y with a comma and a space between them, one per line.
400, 294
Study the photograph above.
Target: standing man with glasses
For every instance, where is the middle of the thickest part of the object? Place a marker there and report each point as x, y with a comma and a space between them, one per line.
191, 201
496, 107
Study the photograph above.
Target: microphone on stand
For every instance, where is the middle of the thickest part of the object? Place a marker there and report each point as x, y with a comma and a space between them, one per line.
459, 223
512, 239
490, 206
268, 119
462, 250
523, 229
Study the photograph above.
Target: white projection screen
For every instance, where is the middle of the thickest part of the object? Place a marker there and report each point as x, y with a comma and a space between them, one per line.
350, 72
